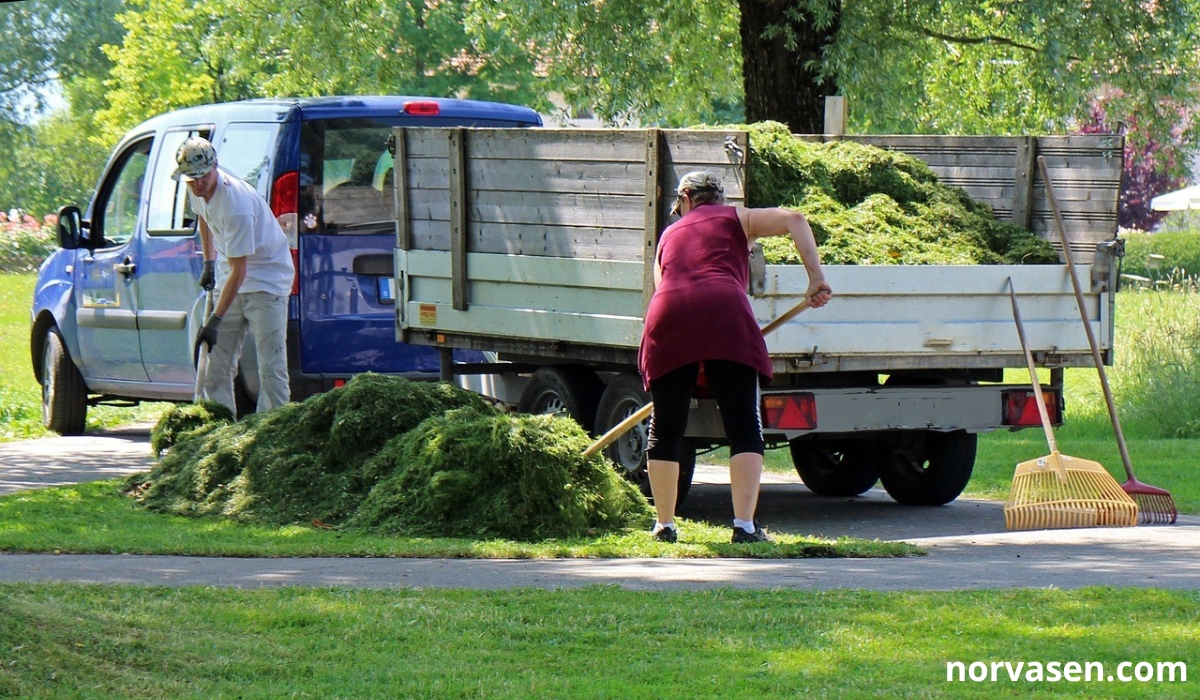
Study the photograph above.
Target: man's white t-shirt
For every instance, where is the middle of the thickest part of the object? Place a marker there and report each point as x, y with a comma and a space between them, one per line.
243, 226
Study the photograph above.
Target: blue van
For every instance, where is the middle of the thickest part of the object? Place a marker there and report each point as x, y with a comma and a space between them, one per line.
117, 306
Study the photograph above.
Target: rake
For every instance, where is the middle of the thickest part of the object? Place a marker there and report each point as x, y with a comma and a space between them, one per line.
1057, 490
1155, 504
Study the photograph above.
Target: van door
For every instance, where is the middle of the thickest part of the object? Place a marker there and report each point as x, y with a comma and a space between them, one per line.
104, 275
346, 243
168, 272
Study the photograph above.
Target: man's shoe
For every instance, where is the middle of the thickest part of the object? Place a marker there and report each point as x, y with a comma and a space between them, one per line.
740, 536
668, 534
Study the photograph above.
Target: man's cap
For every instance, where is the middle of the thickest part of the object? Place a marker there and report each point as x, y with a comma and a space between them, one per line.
699, 180
195, 158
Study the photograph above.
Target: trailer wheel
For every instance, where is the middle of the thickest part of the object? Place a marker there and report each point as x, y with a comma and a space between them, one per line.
929, 468
570, 388
622, 398
64, 394
836, 467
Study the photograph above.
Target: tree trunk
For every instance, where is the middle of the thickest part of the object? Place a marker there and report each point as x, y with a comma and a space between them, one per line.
779, 85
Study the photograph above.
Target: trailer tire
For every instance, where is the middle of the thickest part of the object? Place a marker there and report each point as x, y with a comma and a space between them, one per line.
930, 468
836, 468
570, 388
64, 393
622, 398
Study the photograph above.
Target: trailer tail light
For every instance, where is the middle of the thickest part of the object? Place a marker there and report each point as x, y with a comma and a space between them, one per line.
285, 199
790, 411
422, 108
1019, 407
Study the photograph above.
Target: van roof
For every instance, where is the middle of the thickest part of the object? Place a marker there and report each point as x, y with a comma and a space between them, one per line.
333, 107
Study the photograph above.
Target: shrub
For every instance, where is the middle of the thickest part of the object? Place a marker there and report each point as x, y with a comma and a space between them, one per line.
1180, 251
25, 241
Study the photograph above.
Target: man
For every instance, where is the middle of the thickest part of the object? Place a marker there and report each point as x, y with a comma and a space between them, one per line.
253, 272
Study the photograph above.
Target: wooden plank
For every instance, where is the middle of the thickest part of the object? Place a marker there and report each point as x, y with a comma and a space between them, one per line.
487, 267
654, 213
535, 208
458, 214
555, 241
400, 190
617, 145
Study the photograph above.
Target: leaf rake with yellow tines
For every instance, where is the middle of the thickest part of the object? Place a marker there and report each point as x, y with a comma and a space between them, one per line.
1058, 491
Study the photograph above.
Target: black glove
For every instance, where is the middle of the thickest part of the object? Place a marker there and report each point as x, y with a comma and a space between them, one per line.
208, 276
208, 334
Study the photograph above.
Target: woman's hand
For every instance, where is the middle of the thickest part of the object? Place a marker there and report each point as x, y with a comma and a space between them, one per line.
819, 293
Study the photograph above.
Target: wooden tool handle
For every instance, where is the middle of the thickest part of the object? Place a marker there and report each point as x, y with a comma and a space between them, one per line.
1087, 323
644, 412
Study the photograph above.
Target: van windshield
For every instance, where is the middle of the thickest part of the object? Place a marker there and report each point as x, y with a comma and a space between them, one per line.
345, 176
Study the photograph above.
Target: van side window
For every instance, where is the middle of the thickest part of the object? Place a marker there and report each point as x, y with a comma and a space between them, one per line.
170, 211
120, 197
245, 149
346, 177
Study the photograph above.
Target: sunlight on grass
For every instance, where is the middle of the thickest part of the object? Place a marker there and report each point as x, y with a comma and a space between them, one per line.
96, 518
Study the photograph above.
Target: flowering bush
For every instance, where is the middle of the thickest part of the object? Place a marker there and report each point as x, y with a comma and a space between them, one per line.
25, 241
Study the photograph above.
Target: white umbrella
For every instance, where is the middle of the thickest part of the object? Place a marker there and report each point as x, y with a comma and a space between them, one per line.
1179, 200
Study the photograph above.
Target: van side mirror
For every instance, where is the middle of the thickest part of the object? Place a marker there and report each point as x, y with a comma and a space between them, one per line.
70, 227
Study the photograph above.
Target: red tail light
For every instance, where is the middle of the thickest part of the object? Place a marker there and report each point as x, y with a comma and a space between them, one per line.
790, 411
1020, 407
285, 199
422, 109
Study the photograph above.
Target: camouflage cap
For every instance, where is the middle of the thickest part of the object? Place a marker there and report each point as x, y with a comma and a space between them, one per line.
195, 158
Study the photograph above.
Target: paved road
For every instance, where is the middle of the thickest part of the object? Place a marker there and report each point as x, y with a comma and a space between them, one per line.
966, 543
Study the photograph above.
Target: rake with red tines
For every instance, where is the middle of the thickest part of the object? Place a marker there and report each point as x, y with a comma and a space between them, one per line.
1155, 504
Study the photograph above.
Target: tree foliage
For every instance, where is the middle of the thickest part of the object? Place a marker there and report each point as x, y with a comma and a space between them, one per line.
52, 46
180, 53
1002, 66
674, 63
905, 66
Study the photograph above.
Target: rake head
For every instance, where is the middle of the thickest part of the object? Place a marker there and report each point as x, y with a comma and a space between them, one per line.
1154, 504
1059, 491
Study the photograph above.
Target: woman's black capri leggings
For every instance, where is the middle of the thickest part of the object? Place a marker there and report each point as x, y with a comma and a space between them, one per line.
735, 387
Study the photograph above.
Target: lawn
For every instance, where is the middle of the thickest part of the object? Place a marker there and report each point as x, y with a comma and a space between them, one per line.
20, 394
71, 641
76, 641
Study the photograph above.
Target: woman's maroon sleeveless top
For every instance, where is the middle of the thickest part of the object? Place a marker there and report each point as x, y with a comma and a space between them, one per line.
701, 310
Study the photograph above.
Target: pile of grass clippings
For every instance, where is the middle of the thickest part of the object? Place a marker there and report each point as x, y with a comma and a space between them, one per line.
184, 420
871, 206
325, 458
474, 473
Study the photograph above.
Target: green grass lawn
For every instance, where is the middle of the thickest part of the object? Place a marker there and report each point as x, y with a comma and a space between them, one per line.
71, 641
97, 518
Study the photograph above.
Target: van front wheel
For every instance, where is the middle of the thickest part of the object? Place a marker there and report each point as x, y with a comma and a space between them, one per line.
64, 395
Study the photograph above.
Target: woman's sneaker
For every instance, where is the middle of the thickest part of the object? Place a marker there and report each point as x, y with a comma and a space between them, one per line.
665, 534
740, 536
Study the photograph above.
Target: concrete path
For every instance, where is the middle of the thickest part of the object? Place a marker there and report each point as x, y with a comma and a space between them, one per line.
966, 543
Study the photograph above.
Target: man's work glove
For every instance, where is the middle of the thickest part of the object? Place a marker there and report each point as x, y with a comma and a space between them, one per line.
208, 334
208, 276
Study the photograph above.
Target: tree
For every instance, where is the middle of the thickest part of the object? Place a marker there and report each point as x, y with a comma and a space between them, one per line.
179, 53
675, 63
51, 46
905, 66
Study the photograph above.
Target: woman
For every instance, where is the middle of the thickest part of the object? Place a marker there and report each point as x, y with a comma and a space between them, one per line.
700, 315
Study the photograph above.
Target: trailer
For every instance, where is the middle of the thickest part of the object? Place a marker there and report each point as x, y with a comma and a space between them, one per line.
537, 247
